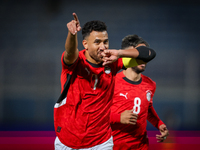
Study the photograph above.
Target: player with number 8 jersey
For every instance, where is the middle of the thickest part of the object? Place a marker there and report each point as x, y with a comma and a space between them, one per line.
133, 105
137, 96
130, 95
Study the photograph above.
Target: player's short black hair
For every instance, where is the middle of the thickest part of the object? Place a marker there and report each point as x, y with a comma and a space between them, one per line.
94, 25
132, 40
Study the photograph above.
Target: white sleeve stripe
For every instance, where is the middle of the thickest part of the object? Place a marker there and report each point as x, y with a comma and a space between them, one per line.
63, 102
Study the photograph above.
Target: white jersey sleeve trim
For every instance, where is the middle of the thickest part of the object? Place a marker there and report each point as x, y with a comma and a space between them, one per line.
63, 102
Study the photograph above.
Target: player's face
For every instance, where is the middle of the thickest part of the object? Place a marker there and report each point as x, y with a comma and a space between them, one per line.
140, 68
95, 44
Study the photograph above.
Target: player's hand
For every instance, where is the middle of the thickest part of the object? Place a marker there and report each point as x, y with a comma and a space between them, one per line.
74, 25
164, 133
110, 56
128, 117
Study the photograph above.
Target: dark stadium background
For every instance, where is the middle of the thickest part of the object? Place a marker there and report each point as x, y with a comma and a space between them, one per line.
32, 39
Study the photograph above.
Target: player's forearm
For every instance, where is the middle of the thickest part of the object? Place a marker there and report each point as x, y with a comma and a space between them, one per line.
143, 53
131, 53
71, 51
153, 117
114, 118
71, 43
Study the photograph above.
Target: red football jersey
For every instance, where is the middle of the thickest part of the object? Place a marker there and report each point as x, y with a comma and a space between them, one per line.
137, 96
82, 119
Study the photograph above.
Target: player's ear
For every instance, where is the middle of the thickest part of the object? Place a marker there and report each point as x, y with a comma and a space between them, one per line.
85, 44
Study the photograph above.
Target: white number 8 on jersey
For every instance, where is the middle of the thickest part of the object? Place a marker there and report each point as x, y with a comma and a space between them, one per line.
136, 107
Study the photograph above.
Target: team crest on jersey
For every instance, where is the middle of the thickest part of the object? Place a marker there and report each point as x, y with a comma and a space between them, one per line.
107, 69
148, 95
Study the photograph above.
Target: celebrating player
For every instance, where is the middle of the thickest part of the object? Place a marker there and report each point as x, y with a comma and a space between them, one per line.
132, 105
82, 112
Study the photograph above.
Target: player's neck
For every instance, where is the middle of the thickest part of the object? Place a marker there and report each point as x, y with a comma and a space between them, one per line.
132, 75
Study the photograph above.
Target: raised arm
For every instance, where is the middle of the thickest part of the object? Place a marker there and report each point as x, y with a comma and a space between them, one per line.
71, 44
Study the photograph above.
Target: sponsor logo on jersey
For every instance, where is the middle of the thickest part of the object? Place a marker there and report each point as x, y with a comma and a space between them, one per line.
121, 94
107, 69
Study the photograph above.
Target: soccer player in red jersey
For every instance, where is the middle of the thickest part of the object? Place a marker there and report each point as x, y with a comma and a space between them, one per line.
82, 112
132, 105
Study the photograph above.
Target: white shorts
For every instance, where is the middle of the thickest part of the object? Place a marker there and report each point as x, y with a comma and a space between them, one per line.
108, 145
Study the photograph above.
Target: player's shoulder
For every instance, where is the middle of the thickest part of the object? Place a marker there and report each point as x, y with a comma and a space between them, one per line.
120, 74
119, 81
80, 61
147, 79
82, 53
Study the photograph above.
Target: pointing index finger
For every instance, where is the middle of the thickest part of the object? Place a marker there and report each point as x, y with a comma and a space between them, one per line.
75, 17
